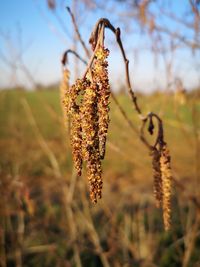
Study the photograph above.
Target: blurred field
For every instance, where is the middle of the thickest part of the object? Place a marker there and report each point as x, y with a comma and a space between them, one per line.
45, 208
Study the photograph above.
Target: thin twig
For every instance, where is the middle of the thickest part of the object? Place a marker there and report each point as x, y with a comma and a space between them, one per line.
94, 53
64, 59
124, 114
95, 39
116, 31
160, 136
78, 33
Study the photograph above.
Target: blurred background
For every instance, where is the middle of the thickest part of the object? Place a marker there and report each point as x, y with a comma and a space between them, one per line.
46, 218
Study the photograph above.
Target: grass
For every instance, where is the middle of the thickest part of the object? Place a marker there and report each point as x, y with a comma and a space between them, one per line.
123, 146
127, 178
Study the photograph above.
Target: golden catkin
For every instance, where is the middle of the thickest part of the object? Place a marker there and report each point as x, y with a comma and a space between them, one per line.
158, 193
90, 147
74, 92
76, 141
64, 93
88, 106
100, 76
73, 108
166, 185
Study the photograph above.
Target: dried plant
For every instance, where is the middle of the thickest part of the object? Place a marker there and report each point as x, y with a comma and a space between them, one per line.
74, 110
91, 141
166, 185
158, 190
162, 182
161, 169
102, 81
88, 104
64, 93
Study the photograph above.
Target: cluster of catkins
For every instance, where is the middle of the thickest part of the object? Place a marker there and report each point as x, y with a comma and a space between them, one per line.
162, 181
87, 104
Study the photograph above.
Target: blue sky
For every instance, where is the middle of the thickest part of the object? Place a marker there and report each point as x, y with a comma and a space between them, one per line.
30, 25
43, 46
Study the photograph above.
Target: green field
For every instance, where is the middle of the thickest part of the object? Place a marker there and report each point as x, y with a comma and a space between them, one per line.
124, 228
18, 136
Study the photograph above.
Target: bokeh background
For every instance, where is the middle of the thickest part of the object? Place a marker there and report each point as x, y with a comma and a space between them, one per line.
46, 217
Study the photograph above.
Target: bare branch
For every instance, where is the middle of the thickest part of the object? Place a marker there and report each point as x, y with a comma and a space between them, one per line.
78, 33
64, 59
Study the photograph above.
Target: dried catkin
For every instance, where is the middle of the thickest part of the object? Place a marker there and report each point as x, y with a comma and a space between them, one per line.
73, 108
88, 106
75, 92
166, 185
64, 93
90, 146
158, 193
100, 76
76, 141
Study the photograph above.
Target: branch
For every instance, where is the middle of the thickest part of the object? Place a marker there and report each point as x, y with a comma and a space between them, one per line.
176, 35
64, 59
116, 31
124, 114
96, 38
78, 33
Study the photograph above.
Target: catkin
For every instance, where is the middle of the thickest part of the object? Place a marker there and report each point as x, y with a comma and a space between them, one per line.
75, 92
64, 94
76, 141
87, 103
90, 147
100, 73
166, 185
73, 108
158, 190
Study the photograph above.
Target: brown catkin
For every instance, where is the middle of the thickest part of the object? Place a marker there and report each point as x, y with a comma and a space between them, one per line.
158, 190
90, 146
88, 105
100, 76
74, 92
76, 141
166, 185
64, 94
73, 108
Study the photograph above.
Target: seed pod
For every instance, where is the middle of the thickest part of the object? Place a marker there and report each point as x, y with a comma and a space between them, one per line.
100, 76
166, 185
158, 193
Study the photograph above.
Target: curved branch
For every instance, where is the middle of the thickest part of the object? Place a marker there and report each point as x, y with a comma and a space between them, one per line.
93, 40
64, 59
160, 137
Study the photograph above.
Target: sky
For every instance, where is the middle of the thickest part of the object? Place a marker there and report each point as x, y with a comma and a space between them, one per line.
41, 47
31, 31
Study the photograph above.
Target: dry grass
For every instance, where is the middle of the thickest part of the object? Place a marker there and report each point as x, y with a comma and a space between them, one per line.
53, 215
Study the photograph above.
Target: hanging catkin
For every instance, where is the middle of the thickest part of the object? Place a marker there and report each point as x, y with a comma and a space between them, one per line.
166, 185
100, 72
